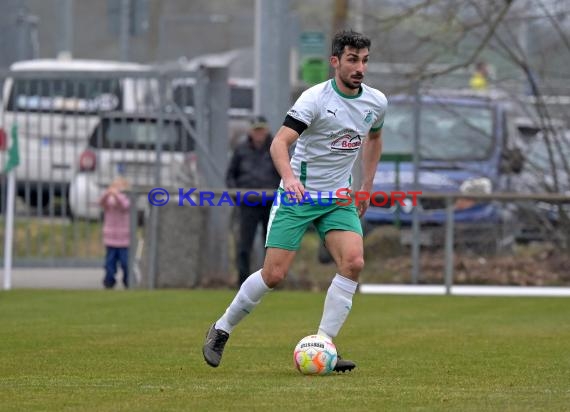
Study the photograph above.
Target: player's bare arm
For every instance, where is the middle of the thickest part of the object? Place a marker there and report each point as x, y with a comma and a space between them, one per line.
283, 140
371, 152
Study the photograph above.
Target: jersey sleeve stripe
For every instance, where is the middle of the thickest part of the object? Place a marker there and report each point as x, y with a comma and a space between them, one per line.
375, 129
303, 177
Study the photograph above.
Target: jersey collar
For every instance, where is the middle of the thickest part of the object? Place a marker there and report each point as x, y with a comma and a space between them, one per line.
341, 94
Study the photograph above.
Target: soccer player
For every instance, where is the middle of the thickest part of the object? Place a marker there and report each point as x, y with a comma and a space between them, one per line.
329, 122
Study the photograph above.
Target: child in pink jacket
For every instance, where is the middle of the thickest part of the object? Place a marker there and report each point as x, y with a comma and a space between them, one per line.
116, 231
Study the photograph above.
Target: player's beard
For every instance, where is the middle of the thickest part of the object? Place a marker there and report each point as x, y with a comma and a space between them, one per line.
350, 82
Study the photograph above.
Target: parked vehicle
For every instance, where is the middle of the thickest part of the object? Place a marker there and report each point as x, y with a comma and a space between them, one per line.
124, 144
545, 171
55, 104
468, 143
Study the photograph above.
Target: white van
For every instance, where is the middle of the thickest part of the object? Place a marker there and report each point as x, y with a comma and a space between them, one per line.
55, 104
125, 145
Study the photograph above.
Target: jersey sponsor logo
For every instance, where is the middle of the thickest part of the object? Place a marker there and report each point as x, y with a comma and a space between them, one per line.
332, 112
345, 141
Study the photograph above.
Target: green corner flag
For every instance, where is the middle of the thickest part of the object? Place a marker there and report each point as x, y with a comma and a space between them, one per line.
13, 152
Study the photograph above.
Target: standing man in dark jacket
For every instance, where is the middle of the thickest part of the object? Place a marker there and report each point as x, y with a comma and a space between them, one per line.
251, 167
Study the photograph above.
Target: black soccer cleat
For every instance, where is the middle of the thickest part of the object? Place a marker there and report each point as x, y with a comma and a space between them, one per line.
214, 346
344, 365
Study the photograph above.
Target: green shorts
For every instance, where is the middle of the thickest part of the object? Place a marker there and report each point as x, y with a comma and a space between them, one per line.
288, 223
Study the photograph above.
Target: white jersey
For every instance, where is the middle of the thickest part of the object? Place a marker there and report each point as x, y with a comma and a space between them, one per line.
336, 126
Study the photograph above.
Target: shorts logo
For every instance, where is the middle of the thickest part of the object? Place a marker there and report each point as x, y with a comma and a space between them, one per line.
345, 141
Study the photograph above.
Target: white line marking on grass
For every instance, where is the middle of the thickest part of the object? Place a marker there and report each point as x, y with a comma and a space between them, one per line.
536, 291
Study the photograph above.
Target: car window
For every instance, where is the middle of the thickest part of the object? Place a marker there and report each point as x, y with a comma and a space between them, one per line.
539, 158
65, 95
141, 134
447, 132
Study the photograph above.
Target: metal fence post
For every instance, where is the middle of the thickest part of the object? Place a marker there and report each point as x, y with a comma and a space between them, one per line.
448, 244
201, 115
416, 241
155, 211
216, 264
133, 216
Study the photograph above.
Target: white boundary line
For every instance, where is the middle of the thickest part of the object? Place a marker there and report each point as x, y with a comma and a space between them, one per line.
538, 291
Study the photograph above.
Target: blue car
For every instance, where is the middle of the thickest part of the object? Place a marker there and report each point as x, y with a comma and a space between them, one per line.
467, 144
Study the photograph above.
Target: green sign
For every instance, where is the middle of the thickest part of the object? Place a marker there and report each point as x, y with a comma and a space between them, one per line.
312, 43
314, 70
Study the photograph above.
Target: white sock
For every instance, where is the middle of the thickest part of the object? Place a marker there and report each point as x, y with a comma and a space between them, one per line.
247, 298
337, 305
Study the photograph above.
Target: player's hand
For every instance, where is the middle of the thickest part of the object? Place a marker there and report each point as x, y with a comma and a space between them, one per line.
294, 189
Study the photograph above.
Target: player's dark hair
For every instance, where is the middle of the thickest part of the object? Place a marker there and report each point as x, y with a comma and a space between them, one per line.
351, 39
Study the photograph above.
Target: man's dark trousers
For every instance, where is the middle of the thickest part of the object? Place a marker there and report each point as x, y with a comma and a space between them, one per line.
250, 217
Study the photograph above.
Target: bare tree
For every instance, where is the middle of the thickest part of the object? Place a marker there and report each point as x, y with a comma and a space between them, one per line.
442, 39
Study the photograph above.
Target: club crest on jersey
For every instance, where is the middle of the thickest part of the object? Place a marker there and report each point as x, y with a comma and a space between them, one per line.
345, 141
368, 116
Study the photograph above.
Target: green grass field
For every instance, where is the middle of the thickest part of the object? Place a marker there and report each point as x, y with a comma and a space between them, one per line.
141, 351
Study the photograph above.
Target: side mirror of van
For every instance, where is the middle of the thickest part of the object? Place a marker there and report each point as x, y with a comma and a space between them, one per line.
512, 161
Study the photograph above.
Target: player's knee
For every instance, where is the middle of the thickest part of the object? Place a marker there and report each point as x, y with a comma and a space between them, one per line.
273, 276
354, 264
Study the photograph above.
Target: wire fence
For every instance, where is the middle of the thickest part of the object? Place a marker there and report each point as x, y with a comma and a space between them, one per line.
79, 129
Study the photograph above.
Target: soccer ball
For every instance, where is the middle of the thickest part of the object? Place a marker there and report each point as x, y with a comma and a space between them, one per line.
315, 355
